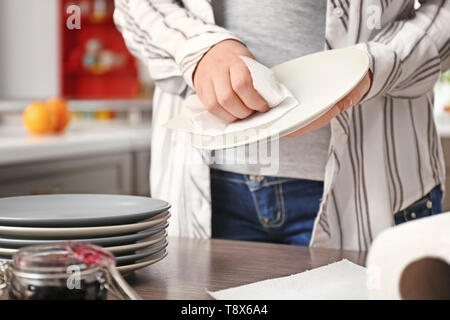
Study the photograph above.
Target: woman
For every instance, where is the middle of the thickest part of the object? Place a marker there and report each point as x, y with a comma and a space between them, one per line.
376, 164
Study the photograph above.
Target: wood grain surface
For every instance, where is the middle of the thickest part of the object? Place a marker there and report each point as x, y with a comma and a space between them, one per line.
194, 266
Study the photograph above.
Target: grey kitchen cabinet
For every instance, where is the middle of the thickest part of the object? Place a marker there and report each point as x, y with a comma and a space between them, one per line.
141, 172
114, 173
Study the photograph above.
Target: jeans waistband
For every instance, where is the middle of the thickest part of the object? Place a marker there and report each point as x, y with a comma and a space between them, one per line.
254, 182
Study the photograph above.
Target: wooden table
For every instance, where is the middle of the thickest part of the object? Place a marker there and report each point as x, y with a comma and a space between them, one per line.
194, 266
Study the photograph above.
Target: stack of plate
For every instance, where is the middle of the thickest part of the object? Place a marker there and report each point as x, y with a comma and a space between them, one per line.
130, 227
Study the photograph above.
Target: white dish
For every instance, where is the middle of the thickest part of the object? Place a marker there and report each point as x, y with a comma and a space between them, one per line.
133, 267
7, 252
116, 250
77, 210
14, 243
142, 254
68, 233
318, 81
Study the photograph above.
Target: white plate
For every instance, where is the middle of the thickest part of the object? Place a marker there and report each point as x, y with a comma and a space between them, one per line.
68, 233
133, 267
116, 250
7, 252
142, 254
136, 246
318, 81
14, 243
77, 210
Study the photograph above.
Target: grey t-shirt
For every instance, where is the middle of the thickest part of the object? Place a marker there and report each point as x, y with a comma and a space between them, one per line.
276, 31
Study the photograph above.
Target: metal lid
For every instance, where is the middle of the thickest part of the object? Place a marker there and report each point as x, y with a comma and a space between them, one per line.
57, 259
45, 259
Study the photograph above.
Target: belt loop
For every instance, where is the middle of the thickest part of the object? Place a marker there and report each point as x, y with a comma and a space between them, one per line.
256, 178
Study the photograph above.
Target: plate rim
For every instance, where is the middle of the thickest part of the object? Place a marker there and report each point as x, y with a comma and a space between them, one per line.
82, 231
138, 245
130, 247
83, 221
128, 237
143, 255
140, 265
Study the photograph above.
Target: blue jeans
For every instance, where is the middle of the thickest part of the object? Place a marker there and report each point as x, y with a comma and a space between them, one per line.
266, 209
429, 205
281, 210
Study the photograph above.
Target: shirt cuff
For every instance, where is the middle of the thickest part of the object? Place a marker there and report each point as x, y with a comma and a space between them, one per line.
194, 49
385, 67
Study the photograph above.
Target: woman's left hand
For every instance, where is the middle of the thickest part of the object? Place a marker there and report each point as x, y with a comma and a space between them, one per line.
350, 100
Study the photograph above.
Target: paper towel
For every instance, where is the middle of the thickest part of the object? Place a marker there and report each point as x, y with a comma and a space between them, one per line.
411, 261
339, 280
195, 119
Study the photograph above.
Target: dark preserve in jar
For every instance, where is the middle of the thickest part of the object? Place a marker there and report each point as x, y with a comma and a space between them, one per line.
21, 290
49, 273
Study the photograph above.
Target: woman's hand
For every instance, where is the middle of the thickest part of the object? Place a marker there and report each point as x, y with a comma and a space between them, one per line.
224, 84
350, 100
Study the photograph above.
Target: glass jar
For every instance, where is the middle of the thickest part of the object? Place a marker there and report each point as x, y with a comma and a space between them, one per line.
50, 272
64, 271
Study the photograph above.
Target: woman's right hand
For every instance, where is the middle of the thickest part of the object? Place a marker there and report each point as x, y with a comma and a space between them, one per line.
224, 84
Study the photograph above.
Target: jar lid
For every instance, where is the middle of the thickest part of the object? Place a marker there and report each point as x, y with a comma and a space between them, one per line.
58, 258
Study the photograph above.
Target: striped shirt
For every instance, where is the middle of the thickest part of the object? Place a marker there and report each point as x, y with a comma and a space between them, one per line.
384, 153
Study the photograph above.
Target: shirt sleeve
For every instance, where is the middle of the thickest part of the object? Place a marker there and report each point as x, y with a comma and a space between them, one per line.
168, 38
408, 55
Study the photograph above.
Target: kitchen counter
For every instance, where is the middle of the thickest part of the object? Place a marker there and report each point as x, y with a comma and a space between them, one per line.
194, 266
84, 104
83, 137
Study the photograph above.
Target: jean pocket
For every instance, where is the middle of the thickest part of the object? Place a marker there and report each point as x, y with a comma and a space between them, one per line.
269, 204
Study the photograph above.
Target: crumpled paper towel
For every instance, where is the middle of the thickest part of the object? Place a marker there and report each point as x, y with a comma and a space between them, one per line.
195, 119
339, 280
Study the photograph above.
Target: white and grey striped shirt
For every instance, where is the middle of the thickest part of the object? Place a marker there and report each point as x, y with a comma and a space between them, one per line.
384, 153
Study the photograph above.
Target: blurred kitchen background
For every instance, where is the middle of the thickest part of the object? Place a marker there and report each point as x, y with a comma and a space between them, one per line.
105, 147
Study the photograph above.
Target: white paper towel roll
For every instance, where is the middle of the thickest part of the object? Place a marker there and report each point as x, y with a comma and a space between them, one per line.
411, 261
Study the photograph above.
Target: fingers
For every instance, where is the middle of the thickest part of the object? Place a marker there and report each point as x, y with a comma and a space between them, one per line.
226, 89
207, 96
348, 101
366, 85
318, 123
227, 98
242, 84
356, 95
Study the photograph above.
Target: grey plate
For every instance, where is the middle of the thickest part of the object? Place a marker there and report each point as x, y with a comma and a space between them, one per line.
127, 270
77, 210
107, 241
132, 258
